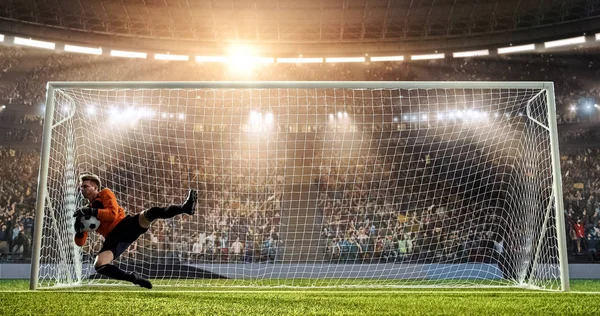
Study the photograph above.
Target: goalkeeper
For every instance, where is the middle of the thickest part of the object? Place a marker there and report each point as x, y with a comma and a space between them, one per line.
119, 230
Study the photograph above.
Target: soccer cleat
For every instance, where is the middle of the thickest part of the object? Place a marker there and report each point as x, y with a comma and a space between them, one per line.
189, 206
139, 280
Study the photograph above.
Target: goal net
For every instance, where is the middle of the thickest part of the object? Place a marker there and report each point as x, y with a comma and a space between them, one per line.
329, 184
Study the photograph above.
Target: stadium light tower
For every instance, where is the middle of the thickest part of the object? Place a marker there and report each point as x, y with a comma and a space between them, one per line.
239, 56
269, 118
243, 58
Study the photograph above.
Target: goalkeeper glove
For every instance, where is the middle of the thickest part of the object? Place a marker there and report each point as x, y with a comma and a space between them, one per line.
86, 211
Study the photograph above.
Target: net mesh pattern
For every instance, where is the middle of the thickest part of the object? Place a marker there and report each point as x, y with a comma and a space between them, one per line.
311, 187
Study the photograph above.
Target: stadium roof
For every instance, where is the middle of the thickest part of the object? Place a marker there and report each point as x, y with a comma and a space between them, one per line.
296, 22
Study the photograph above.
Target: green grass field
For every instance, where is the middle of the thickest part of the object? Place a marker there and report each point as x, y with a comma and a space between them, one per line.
15, 299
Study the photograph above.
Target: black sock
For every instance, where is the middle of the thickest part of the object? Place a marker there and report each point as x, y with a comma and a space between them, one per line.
162, 212
114, 272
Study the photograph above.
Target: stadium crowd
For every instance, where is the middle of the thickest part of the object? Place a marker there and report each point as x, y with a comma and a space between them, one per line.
581, 183
239, 212
19, 171
367, 212
422, 204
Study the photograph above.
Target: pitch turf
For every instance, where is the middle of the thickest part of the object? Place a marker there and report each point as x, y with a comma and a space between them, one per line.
122, 300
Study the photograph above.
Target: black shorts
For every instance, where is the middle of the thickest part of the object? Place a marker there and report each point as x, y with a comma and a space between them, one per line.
123, 235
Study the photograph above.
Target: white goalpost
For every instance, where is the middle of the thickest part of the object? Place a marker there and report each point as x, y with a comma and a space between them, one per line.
310, 184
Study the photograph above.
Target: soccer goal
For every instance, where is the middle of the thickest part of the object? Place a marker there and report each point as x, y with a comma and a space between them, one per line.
326, 184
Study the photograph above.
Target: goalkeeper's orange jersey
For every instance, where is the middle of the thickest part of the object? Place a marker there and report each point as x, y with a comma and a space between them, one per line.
109, 214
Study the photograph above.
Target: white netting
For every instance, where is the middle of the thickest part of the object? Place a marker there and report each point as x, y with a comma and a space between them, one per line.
312, 186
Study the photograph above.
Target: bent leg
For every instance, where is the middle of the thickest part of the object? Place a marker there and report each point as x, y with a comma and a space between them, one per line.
143, 220
154, 213
188, 207
103, 266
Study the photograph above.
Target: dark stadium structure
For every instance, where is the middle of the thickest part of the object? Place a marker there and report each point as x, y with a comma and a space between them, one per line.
300, 27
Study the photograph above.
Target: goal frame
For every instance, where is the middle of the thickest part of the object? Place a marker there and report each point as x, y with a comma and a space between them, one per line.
548, 87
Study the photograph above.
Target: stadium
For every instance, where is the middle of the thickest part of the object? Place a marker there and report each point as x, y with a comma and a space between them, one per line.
317, 157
